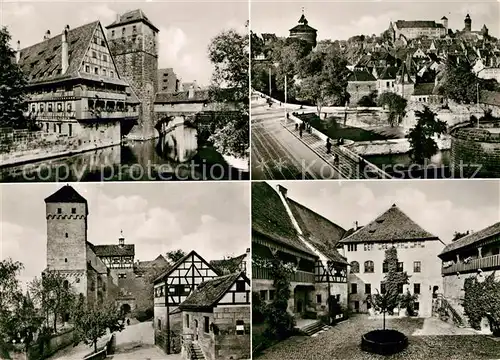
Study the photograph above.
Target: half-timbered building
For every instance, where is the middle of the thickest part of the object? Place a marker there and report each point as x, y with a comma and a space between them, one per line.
287, 230
171, 288
216, 319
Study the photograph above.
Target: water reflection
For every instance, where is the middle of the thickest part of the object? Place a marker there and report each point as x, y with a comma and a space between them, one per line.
175, 156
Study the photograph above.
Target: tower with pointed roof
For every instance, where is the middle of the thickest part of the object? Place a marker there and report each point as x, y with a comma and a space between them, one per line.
304, 32
467, 23
133, 41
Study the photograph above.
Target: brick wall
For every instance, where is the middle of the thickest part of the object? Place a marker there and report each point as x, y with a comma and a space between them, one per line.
476, 146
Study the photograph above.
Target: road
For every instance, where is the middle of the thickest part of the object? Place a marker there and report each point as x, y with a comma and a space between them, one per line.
277, 154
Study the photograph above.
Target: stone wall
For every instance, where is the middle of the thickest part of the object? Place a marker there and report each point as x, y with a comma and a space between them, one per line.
54, 344
206, 340
229, 345
476, 147
358, 89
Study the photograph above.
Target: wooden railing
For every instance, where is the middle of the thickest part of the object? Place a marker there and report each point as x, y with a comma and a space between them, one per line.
455, 316
298, 276
487, 262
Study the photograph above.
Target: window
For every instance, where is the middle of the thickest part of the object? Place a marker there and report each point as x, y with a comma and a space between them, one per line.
400, 267
368, 247
206, 327
104, 72
55, 128
123, 31
122, 276
352, 247
95, 40
33, 108
272, 294
354, 288
66, 259
356, 306
103, 43
59, 210
187, 320
70, 130
368, 288
240, 327
159, 324
354, 267
263, 294
41, 107
104, 57
66, 284
369, 266
111, 73
94, 55
385, 267
416, 288
96, 70
382, 288
73, 210
318, 298
134, 28
112, 33
68, 107
240, 286
416, 305
417, 266
388, 83
49, 107
400, 288
66, 235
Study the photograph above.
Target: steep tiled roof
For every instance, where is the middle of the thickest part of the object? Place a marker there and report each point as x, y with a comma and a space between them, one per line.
392, 225
231, 265
361, 75
208, 293
42, 62
389, 73
473, 238
319, 231
182, 97
131, 17
302, 28
114, 250
423, 89
269, 217
66, 194
418, 24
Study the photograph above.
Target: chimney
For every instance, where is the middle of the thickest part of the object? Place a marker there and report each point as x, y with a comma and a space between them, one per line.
191, 92
118, 18
64, 50
121, 239
355, 226
47, 35
283, 190
18, 52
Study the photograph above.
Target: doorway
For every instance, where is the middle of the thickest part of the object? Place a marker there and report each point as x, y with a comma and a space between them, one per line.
196, 330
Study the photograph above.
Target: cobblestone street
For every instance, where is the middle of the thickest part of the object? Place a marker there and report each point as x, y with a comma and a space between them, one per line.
343, 342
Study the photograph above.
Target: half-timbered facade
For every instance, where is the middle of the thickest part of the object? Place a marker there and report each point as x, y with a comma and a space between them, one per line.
171, 288
216, 319
287, 230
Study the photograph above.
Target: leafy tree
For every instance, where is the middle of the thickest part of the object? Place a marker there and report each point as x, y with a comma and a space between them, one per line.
368, 100
26, 320
10, 293
175, 255
12, 85
422, 145
91, 322
481, 300
407, 302
228, 52
323, 79
54, 295
393, 280
396, 105
458, 235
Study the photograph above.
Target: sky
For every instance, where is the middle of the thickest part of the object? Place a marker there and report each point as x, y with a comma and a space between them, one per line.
210, 217
186, 27
439, 206
339, 20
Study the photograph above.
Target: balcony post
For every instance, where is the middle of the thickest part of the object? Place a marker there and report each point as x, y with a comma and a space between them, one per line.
458, 258
479, 251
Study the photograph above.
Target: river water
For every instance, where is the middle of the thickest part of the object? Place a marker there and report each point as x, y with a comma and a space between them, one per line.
164, 158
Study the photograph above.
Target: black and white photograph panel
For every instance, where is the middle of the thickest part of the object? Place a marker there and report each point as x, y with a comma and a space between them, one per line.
124, 91
376, 270
125, 271
388, 90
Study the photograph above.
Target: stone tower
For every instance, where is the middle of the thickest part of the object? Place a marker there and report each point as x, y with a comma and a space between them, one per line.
304, 32
133, 42
66, 215
468, 23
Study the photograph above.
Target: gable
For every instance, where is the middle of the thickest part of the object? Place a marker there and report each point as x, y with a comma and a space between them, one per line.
238, 293
98, 56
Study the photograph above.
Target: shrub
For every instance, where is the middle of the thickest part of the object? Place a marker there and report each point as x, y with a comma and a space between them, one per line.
407, 302
481, 300
258, 308
144, 315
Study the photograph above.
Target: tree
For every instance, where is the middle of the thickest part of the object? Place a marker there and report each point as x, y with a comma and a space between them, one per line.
323, 79
393, 281
10, 293
12, 85
175, 255
91, 323
458, 235
422, 144
26, 320
54, 295
228, 52
368, 100
396, 105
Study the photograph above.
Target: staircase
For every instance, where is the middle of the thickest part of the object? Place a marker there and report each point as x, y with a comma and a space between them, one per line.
314, 328
195, 352
442, 302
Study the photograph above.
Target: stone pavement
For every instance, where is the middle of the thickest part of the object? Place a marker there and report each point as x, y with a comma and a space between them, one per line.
434, 326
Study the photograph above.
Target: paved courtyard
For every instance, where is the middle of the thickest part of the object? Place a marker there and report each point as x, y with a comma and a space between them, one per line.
343, 342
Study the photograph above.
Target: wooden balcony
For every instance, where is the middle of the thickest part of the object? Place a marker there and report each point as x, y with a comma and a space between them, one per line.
484, 263
115, 114
298, 276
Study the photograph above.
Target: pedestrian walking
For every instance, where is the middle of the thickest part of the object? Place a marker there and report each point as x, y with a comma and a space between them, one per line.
300, 131
128, 322
328, 146
296, 126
